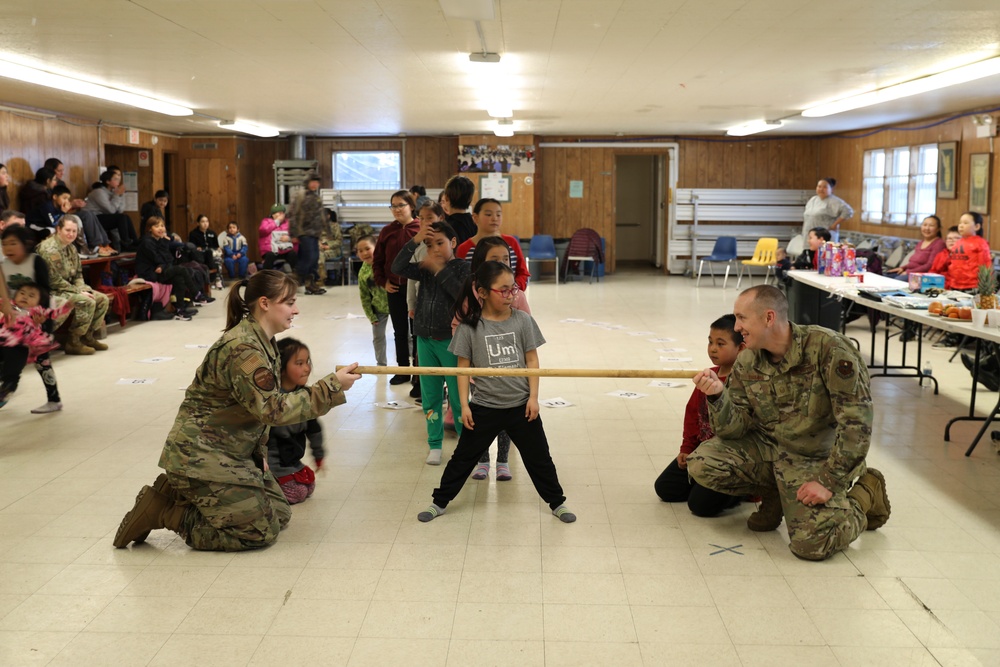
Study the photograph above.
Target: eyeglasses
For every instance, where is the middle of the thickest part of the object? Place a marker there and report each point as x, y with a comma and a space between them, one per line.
506, 293
397, 206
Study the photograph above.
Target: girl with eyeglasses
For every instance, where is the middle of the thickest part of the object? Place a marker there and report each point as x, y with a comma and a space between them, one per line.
494, 249
390, 241
494, 335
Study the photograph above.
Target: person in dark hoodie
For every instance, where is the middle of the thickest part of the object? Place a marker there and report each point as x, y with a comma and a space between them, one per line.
442, 278
154, 262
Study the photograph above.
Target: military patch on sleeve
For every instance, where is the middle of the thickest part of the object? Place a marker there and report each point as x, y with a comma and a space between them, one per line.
251, 363
263, 378
845, 369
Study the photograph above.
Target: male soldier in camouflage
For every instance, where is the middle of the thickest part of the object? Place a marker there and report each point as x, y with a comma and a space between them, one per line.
793, 425
308, 222
217, 492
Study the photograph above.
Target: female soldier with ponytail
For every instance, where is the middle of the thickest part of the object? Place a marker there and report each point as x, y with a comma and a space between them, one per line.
217, 492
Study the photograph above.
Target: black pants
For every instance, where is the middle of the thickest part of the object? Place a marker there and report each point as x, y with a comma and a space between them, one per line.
674, 486
123, 225
12, 362
308, 258
528, 437
206, 257
180, 279
290, 258
400, 325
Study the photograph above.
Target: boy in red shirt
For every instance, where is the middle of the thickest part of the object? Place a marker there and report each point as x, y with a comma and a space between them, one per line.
673, 485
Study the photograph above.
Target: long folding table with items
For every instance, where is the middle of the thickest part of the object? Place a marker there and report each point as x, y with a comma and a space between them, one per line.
810, 293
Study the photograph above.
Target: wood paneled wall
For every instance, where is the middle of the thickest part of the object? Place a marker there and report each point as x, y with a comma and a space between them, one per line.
542, 207
842, 159
765, 164
27, 141
702, 163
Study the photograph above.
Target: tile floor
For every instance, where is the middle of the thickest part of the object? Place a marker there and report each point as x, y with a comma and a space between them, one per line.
356, 580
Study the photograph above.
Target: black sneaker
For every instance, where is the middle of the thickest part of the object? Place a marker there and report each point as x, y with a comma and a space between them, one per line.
399, 379
415, 392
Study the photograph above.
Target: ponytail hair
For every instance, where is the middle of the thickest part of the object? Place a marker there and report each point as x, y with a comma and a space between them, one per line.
468, 310
269, 283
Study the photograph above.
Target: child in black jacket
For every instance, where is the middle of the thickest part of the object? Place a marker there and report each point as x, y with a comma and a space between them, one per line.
442, 277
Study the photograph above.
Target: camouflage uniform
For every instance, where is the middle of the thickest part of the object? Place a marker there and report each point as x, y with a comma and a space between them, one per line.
807, 418
334, 251
66, 281
215, 453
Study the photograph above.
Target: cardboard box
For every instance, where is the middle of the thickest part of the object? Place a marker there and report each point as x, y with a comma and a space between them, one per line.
921, 282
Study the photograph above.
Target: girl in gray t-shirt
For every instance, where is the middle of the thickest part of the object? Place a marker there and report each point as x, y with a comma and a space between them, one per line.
493, 335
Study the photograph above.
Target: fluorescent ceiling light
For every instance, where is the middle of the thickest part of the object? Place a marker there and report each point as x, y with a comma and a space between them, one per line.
248, 128
944, 79
472, 10
499, 111
753, 127
504, 128
68, 84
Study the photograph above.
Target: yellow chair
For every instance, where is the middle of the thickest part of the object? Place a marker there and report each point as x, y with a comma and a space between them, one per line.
763, 255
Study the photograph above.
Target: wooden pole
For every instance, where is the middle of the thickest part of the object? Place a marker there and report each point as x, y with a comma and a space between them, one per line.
525, 372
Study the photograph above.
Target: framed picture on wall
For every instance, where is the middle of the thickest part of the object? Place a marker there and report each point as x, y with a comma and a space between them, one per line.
979, 183
947, 174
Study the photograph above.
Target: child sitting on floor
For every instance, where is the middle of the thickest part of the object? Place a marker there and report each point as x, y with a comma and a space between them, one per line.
25, 339
673, 485
286, 445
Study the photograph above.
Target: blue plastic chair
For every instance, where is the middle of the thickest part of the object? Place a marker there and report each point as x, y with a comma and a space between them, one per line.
543, 249
724, 251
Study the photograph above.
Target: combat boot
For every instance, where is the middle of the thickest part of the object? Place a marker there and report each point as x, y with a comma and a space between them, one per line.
76, 346
90, 341
769, 515
869, 492
153, 510
162, 485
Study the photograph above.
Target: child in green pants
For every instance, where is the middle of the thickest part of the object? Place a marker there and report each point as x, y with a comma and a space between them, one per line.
442, 277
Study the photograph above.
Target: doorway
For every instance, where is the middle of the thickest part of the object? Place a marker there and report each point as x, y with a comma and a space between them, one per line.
638, 195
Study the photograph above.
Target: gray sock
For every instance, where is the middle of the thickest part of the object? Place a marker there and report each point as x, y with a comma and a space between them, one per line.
432, 512
563, 514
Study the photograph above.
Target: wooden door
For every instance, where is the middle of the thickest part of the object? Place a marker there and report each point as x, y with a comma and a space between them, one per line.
211, 190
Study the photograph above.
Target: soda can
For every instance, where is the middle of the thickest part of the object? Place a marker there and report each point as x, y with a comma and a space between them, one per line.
849, 257
862, 264
837, 261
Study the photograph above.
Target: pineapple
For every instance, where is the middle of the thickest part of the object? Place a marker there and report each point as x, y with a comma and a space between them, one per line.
987, 287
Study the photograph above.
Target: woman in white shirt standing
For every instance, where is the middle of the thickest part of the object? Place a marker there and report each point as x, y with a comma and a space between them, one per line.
826, 209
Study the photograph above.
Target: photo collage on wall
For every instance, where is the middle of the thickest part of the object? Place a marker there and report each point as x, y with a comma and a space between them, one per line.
501, 159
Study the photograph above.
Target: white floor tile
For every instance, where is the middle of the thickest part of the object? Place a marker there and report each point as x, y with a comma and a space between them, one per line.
356, 580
